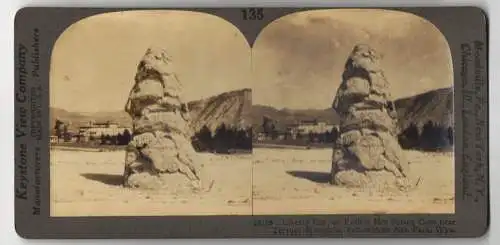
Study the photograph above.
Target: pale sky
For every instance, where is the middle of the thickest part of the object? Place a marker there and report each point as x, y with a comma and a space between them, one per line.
94, 61
299, 59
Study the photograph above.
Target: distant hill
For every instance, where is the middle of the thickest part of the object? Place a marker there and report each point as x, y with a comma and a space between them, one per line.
66, 116
286, 117
231, 108
435, 106
78, 119
235, 108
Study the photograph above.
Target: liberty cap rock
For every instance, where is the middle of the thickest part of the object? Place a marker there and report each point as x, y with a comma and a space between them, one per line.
161, 137
367, 152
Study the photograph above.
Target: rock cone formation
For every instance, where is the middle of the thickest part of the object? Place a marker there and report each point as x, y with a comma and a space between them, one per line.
367, 153
161, 142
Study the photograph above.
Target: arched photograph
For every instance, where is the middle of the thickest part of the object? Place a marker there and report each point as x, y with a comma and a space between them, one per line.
352, 114
149, 116
163, 113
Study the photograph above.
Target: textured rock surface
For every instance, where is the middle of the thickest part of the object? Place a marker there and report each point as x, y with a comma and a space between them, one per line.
161, 142
367, 152
231, 108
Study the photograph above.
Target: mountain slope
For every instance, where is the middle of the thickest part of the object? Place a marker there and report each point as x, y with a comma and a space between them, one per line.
235, 108
231, 108
435, 106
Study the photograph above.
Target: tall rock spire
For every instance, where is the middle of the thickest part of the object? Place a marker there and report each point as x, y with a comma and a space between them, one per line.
161, 142
367, 152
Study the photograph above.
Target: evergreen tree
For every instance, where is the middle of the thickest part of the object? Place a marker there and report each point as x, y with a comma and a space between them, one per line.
327, 137
119, 139
127, 137
266, 125
311, 136
450, 135
233, 137
221, 139
442, 139
204, 139
410, 137
322, 137
432, 136
299, 136
269, 128
334, 134
274, 131
106, 139
426, 137
248, 138
240, 139
114, 140
66, 134
59, 128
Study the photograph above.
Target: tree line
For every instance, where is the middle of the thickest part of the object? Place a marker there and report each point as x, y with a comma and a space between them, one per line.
432, 136
270, 131
223, 139
119, 139
61, 130
328, 136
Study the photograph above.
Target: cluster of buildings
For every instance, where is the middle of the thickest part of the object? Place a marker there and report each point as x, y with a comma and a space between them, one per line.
92, 131
310, 126
302, 129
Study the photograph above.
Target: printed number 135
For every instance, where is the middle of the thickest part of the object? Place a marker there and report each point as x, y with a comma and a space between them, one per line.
253, 14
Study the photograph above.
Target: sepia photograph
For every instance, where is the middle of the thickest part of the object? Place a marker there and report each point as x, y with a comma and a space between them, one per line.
352, 113
164, 113
251, 122
150, 116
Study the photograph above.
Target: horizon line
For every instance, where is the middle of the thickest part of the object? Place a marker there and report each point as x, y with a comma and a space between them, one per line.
257, 104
